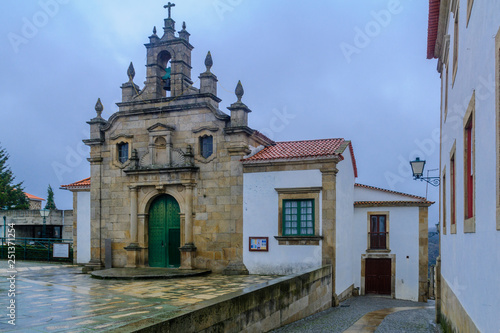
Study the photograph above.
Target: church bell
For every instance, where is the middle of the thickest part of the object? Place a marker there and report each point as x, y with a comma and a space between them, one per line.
166, 79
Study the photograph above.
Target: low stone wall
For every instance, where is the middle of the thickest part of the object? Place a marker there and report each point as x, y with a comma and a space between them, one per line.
453, 313
346, 293
259, 309
31, 218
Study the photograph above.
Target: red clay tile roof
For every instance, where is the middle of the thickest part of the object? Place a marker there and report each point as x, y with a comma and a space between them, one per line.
393, 203
298, 149
84, 183
303, 150
33, 197
389, 191
432, 29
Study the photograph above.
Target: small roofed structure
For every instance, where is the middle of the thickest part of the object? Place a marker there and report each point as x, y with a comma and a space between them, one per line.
35, 202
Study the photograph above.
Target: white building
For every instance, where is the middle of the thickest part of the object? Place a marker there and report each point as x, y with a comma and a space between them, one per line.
302, 209
81, 219
464, 36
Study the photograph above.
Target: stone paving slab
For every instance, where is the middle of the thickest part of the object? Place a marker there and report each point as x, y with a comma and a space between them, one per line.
59, 298
418, 318
147, 273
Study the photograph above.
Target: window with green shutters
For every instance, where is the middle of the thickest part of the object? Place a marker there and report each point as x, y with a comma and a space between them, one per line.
298, 217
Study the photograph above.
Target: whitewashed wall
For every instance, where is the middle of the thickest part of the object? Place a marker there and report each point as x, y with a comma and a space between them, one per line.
344, 218
260, 219
471, 262
403, 231
83, 227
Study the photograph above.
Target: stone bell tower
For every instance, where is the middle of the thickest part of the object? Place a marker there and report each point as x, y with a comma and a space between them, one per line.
168, 50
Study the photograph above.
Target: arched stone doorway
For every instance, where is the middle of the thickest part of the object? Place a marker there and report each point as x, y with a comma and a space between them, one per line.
164, 231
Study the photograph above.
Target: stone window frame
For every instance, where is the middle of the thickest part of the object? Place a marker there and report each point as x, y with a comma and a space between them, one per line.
443, 196
202, 145
469, 122
456, 12
453, 189
470, 3
497, 107
115, 141
387, 229
123, 151
202, 132
301, 193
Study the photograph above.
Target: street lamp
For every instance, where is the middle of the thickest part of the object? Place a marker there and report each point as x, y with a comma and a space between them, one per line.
44, 213
417, 167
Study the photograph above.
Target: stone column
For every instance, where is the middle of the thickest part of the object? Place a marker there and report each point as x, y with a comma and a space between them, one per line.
168, 139
188, 250
329, 205
189, 215
133, 247
133, 215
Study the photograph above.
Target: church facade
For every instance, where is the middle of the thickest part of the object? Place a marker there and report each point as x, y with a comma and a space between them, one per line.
176, 182
175, 158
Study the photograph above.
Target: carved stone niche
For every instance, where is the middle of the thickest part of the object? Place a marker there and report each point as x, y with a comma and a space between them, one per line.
160, 145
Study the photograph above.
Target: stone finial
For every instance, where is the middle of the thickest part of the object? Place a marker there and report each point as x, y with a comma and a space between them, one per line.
154, 30
189, 156
135, 159
184, 25
99, 108
239, 91
189, 150
131, 72
208, 61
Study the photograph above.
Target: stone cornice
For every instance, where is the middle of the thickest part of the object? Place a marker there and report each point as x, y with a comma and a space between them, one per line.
163, 108
444, 14
170, 42
316, 189
161, 170
169, 99
125, 136
93, 142
238, 129
208, 128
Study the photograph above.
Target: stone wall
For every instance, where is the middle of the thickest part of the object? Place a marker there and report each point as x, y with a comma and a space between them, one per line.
261, 309
452, 311
32, 218
216, 182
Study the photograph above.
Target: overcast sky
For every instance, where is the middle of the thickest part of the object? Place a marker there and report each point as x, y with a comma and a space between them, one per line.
355, 69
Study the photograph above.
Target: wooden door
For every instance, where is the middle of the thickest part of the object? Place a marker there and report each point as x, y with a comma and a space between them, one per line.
164, 232
378, 276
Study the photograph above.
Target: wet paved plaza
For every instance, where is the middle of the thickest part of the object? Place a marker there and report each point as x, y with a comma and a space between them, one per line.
59, 298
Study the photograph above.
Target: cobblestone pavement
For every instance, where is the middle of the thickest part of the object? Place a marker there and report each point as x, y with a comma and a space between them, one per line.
58, 298
350, 312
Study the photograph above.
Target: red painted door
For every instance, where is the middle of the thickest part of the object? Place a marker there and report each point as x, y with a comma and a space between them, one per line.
378, 276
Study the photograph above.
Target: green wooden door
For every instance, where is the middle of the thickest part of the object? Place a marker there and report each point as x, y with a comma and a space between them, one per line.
164, 232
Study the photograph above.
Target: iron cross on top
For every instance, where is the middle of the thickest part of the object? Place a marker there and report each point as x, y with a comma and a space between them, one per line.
169, 6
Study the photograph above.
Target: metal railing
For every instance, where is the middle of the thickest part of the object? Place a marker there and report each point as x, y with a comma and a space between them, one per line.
39, 249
